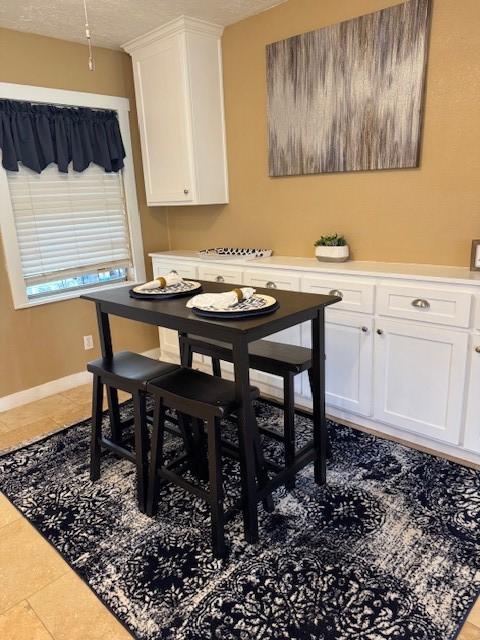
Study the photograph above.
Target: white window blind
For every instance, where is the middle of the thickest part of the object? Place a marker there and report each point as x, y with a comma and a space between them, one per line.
69, 224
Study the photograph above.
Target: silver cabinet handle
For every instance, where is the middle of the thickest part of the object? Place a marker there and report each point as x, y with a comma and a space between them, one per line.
477, 349
365, 329
271, 285
380, 332
420, 303
336, 292
219, 279
185, 191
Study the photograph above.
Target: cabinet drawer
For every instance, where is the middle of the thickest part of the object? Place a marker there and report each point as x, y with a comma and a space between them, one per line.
440, 306
357, 295
185, 270
272, 280
219, 273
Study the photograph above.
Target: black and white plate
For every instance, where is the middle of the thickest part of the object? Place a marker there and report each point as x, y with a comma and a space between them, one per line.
184, 288
257, 305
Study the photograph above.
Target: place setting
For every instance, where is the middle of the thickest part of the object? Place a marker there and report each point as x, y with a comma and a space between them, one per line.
242, 302
171, 285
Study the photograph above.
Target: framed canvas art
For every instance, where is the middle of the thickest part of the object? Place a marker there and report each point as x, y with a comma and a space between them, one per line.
349, 97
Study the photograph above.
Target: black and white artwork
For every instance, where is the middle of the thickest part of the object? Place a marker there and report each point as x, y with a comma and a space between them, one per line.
349, 97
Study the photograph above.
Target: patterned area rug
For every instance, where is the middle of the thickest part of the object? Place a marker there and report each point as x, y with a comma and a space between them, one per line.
389, 549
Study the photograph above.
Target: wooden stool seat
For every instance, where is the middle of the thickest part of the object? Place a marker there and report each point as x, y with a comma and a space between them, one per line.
129, 371
196, 393
265, 355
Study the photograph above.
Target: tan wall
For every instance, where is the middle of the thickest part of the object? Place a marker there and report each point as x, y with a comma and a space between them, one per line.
426, 215
46, 342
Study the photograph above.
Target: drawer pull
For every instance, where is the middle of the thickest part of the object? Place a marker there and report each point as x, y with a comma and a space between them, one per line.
420, 303
380, 332
219, 279
271, 285
336, 292
185, 191
477, 349
365, 329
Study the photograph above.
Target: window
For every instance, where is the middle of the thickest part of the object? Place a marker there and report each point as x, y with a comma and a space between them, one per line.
72, 228
64, 233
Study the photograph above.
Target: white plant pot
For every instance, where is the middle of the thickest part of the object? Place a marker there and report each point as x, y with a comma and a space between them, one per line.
332, 254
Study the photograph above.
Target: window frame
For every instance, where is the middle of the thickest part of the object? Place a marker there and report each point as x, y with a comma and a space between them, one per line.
8, 231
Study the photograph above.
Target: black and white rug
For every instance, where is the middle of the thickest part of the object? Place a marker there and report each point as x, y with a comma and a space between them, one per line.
388, 550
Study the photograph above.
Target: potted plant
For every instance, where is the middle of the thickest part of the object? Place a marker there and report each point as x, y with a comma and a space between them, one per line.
332, 248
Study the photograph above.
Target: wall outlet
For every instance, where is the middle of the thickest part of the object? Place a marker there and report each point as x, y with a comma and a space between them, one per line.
87, 342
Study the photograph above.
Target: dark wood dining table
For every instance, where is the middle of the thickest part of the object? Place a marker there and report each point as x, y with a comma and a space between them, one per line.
294, 308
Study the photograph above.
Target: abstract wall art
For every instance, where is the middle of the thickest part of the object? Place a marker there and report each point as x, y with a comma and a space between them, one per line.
349, 97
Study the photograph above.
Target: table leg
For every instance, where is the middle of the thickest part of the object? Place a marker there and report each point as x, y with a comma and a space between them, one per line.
246, 440
186, 354
112, 394
318, 395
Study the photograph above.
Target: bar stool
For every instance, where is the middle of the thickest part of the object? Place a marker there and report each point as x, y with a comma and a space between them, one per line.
209, 399
283, 360
130, 372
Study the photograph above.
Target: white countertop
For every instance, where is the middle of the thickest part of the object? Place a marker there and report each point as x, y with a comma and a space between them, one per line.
456, 275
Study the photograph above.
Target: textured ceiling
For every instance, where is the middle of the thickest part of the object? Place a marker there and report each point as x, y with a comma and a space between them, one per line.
114, 22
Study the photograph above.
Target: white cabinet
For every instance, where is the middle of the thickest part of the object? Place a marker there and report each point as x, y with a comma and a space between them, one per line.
349, 361
472, 423
420, 378
179, 95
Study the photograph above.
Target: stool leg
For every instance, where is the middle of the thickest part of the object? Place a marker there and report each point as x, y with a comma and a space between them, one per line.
158, 433
199, 448
216, 368
115, 422
141, 447
289, 424
216, 489
329, 444
96, 438
261, 470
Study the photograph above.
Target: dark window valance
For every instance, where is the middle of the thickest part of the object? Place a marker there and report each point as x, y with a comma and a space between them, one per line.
38, 134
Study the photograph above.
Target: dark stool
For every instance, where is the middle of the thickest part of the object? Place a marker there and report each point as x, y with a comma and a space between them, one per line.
205, 398
283, 360
130, 372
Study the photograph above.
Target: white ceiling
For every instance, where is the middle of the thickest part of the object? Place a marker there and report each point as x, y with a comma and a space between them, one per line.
114, 22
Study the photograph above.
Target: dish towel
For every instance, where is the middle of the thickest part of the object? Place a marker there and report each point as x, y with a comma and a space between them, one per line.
161, 282
220, 301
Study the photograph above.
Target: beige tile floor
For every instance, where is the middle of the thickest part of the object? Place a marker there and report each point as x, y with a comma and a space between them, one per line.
41, 598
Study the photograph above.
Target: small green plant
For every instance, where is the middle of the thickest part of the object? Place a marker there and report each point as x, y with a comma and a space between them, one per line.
331, 241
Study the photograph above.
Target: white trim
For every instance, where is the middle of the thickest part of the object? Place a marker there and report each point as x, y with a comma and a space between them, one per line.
178, 25
54, 386
7, 224
30, 93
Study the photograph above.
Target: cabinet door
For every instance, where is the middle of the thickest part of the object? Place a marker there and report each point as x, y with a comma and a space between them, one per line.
349, 361
472, 430
420, 378
162, 99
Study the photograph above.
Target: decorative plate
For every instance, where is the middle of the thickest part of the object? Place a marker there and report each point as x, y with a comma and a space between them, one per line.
234, 252
184, 288
257, 305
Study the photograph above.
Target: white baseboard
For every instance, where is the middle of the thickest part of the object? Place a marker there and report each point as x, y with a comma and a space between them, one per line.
54, 386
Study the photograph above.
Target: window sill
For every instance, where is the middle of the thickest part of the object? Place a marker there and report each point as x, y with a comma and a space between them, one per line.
70, 295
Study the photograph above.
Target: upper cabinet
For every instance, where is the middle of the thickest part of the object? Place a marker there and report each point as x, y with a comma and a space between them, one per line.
179, 94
